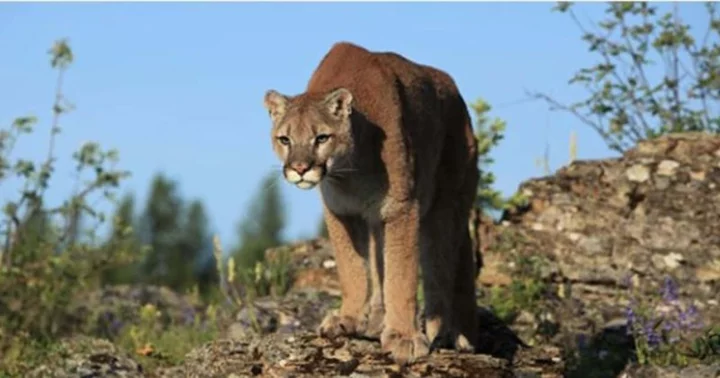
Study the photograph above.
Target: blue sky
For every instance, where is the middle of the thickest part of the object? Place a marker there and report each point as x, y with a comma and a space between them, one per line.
178, 87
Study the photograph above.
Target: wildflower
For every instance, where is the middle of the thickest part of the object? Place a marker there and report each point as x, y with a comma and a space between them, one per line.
231, 270
189, 315
116, 326
670, 325
630, 316
651, 335
113, 323
669, 290
690, 319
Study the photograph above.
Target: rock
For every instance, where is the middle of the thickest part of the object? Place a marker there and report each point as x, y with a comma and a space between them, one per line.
298, 310
697, 176
696, 371
493, 273
83, 356
667, 168
603, 220
638, 173
651, 213
673, 260
114, 307
306, 355
313, 265
709, 273
299, 352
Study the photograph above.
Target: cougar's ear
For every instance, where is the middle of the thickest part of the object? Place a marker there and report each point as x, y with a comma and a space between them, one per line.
339, 103
275, 103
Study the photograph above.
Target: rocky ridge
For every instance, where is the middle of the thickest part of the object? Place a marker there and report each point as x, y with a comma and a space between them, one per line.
600, 226
589, 231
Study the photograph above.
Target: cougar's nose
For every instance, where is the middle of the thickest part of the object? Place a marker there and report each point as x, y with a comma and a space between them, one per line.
300, 167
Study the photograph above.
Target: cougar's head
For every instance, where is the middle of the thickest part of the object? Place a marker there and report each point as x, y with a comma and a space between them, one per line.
309, 132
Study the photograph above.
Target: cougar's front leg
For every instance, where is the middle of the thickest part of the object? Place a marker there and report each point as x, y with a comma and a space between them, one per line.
349, 237
375, 307
401, 335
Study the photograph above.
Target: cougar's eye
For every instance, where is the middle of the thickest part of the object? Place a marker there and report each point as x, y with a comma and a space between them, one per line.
322, 138
283, 140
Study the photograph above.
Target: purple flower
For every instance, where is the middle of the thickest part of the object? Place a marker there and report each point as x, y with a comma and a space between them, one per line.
630, 316
653, 339
669, 290
690, 319
116, 326
188, 315
112, 322
669, 325
651, 335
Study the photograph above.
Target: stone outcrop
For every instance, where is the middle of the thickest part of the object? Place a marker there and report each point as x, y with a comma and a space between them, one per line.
653, 212
303, 354
82, 356
697, 371
114, 307
600, 225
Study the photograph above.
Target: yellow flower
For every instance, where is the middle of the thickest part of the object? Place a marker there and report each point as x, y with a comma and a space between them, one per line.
231, 269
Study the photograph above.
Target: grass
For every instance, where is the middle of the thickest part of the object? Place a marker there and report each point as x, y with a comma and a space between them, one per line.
668, 329
156, 346
27, 340
520, 295
526, 289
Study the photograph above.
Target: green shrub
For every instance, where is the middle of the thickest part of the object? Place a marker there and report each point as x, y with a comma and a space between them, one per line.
46, 257
652, 77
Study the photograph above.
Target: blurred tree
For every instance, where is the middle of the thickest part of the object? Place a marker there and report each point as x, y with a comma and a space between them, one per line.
161, 230
263, 224
123, 243
488, 133
653, 76
196, 247
178, 236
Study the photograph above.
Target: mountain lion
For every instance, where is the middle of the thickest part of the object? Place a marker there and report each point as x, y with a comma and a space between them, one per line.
390, 145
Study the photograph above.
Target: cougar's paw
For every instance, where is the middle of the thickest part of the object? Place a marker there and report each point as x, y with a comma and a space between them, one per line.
336, 326
404, 349
463, 345
372, 325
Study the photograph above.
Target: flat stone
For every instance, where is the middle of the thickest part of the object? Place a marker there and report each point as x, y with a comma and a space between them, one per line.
638, 173
667, 167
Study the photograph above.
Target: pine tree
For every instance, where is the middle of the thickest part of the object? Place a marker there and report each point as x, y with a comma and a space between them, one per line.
194, 262
123, 243
160, 229
263, 224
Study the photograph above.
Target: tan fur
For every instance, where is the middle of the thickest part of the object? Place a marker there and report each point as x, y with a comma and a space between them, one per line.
389, 142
